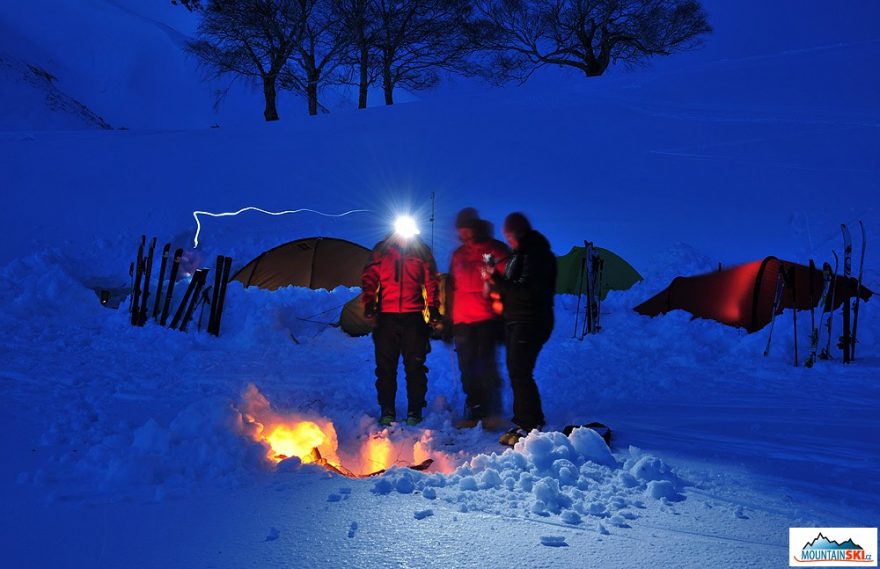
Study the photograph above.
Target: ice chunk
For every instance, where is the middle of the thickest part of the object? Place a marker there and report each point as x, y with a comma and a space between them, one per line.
553, 541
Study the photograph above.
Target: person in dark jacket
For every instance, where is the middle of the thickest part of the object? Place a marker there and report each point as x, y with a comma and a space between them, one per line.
475, 327
527, 289
399, 282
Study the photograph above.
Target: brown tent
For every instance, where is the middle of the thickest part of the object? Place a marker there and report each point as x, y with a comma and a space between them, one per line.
743, 296
315, 262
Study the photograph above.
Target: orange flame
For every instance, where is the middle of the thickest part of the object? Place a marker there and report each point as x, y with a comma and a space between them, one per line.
314, 440
299, 440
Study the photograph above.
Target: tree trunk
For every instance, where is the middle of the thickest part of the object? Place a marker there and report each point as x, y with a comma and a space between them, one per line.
269, 93
596, 66
364, 82
312, 92
387, 85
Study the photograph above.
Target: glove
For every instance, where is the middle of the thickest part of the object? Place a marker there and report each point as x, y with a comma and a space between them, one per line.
370, 311
434, 315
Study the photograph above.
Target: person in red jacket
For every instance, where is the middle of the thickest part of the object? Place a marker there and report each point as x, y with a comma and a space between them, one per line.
475, 327
399, 282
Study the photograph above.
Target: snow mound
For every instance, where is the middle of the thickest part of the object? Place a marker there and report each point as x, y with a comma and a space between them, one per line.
202, 444
547, 474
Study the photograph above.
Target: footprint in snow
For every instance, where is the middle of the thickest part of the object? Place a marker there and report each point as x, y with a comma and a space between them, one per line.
273, 534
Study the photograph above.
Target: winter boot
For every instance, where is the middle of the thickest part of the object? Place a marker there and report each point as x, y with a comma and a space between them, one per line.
513, 436
387, 417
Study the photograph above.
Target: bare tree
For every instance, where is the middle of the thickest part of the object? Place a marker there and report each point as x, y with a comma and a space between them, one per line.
253, 39
191, 5
358, 56
319, 49
416, 39
588, 35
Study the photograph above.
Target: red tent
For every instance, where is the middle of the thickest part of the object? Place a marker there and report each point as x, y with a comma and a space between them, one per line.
743, 296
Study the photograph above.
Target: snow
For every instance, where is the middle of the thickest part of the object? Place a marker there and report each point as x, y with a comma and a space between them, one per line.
146, 424
141, 447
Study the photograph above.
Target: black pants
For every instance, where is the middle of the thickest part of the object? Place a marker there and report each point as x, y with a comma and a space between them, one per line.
524, 341
477, 347
397, 334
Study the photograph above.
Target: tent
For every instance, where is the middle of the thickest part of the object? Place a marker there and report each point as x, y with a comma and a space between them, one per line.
743, 296
315, 262
617, 274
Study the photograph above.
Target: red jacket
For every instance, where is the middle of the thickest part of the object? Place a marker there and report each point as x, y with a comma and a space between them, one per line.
397, 276
465, 280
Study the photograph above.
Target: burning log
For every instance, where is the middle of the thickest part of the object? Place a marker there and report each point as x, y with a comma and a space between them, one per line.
341, 470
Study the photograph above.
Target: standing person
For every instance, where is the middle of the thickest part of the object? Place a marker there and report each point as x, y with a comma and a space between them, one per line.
475, 327
399, 282
527, 289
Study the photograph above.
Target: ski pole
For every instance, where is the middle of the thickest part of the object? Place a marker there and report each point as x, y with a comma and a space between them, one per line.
826, 351
855, 325
777, 297
792, 281
580, 282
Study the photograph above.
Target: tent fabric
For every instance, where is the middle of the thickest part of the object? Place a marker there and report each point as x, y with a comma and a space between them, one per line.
617, 274
743, 296
352, 319
314, 262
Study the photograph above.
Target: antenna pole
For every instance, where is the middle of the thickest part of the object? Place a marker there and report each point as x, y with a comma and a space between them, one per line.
432, 220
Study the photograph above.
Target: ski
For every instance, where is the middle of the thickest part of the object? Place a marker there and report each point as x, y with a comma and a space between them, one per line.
855, 325
592, 278
847, 273
814, 335
588, 292
162, 266
215, 293
826, 351
136, 288
145, 297
199, 278
598, 270
227, 268
777, 301
185, 301
790, 276
175, 266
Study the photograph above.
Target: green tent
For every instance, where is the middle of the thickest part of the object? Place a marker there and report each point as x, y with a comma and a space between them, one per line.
617, 274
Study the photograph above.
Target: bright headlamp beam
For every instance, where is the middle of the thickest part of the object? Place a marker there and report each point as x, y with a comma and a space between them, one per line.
405, 226
196, 215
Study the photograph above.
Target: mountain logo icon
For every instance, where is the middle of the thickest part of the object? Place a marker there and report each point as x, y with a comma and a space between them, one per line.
842, 547
822, 542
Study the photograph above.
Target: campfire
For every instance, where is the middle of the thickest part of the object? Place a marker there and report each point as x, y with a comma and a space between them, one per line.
314, 440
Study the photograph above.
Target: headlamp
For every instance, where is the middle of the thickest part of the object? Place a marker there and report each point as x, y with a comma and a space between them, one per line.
405, 226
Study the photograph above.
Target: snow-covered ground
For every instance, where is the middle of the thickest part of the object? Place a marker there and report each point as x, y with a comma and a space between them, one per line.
139, 447
125, 446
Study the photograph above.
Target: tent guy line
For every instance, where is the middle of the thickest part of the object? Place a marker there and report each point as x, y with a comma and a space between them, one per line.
196, 215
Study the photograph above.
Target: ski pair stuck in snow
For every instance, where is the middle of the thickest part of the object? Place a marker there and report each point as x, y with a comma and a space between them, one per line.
141, 270
847, 342
833, 286
589, 280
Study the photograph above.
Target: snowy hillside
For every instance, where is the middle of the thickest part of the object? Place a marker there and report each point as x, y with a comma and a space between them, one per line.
146, 447
124, 59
